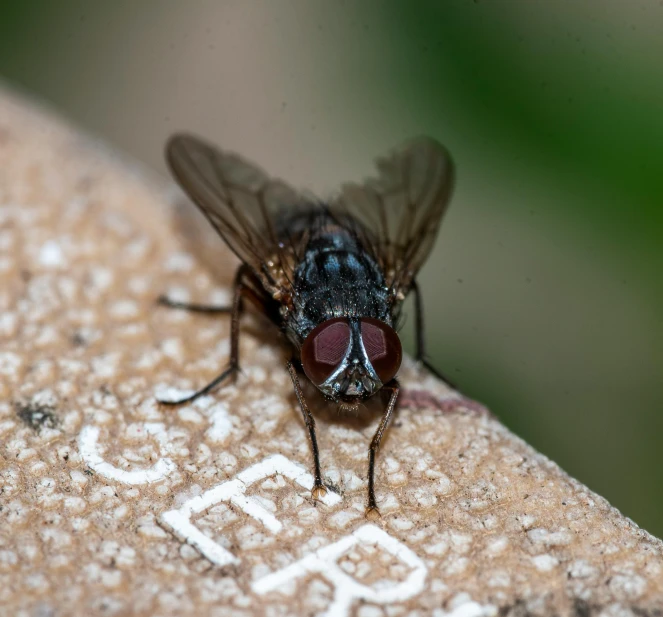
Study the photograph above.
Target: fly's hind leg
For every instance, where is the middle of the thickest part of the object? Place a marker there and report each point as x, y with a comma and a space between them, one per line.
421, 341
241, 291
319, 490
372, 512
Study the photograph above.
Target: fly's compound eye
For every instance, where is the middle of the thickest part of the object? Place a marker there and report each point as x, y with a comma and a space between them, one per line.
324, 349
383, 348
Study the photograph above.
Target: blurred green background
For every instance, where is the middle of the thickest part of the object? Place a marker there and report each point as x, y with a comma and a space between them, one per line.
544, 292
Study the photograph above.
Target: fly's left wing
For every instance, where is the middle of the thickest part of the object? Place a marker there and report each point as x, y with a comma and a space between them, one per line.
242, 203
398, 214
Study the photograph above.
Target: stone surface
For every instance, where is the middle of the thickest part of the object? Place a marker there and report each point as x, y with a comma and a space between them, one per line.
111, 504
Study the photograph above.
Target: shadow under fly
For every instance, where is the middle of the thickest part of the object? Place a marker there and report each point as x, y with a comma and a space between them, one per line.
332, 276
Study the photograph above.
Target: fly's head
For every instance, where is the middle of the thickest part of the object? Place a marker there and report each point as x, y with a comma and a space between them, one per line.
350, 359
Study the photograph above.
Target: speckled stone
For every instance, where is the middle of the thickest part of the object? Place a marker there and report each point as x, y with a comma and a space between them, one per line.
89, 461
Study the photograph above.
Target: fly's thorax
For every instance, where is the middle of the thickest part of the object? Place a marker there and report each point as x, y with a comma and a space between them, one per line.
337, 277
351, 358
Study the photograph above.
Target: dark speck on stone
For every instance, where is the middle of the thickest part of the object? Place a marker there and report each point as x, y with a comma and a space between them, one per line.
78, 339
37, 416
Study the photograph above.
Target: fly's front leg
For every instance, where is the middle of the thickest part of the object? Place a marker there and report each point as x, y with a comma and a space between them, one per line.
372, 511
241, 291
319, 490
421, 341
195, 308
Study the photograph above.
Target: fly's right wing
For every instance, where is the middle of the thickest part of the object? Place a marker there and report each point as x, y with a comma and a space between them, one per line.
397, 215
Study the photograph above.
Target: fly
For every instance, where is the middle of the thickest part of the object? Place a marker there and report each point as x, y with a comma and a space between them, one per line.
332, 276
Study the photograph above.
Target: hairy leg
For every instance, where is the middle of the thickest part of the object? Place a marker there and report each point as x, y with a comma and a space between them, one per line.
372, 511
319, 490
420, 339
242, 290
195, 308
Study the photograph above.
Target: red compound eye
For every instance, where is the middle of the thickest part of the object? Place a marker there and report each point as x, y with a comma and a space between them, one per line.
383, 347
324, 349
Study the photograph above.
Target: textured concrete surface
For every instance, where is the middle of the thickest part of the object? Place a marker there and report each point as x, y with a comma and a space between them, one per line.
111, 504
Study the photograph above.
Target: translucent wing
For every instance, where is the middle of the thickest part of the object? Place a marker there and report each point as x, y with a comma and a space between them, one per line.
400, 211
241, 202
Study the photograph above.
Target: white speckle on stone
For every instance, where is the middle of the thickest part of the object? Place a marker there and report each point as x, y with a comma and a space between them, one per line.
8, 559
545, 562
221, 297
630, 585
437, 549
120, 512
351, 481
37, 583
391, 464
179, 262
6, 426
442, 485
102, 417
111, 578
226, 462
401, 523
308, 516
8, 323
173, 348
462, 606
26, 454
422, 497
101, 277
527, 521
219, 415
9, 364
124, 309
388, 503
257, 374
248, 451
51, 255
460, 542
187, 414
499, 578
150, 530
178, 294
341, 519
38, 468
79, 524
140, 285
106, 366
74, 504
55, 537
581, 569
549, 538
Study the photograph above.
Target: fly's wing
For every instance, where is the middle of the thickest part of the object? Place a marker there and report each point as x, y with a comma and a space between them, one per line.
397, 215
240, 201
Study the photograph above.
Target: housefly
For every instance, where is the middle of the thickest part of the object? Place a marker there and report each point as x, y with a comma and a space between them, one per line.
332, 276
